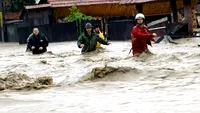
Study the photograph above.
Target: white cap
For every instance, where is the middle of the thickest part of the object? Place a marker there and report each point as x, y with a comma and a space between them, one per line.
139, 15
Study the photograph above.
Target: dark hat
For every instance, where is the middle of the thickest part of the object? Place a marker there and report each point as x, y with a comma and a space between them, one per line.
88, 25
97, 25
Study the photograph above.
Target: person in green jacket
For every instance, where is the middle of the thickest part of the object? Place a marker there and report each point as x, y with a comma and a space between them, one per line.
88, 39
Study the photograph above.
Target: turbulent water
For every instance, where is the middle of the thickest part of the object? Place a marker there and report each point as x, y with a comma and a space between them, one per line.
105, 81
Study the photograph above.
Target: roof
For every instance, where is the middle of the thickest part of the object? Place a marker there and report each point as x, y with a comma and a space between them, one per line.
111, 7
135, 1
37, 6
12, 16
68, 3
13, 21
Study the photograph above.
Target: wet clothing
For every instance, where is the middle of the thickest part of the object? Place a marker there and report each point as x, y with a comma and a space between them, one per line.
28, 48
102, 37
29, 36
89, 41
140, 37
37, 42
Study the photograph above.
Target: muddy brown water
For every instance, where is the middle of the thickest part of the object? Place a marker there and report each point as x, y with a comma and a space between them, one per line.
106, 81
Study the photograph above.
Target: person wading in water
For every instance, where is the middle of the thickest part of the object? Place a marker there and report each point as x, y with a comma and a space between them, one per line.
37, 42
88, 39
97, 30
140, 36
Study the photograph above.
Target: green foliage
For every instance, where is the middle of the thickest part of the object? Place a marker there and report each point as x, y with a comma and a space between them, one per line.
18, 5
76, 15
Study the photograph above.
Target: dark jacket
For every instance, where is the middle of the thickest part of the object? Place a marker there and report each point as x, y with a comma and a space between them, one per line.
28, 48
89, 42
39, 41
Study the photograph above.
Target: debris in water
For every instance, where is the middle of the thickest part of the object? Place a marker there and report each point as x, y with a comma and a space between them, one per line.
17, 81
101, 72
60, 60
43, 61
50, 52
2, 84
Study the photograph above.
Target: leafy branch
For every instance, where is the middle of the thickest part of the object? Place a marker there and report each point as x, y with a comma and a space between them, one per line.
75, 15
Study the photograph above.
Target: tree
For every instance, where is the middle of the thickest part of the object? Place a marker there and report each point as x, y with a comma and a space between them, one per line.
18, 5
77, 16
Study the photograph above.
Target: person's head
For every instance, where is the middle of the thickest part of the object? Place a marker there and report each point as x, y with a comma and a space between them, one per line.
140, 19
35, 31
97, 28
88, 27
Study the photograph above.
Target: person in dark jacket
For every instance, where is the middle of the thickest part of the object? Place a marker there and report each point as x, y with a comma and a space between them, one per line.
140, 36
88, 39
37, 42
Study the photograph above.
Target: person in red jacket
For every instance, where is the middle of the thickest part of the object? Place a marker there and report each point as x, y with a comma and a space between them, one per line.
140, 36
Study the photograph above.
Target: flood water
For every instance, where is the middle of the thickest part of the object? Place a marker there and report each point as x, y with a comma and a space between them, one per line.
105, 81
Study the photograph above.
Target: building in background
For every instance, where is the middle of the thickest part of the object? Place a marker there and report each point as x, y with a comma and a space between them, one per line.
115, 16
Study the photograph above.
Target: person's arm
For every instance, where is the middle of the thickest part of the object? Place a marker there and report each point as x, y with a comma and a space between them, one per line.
102, 36
131, 35
152, 38
45, 41
137, 33
30, 44
29, 37
80, 41
100, 40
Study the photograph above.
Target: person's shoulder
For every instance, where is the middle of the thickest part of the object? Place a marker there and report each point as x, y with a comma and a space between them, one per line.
30, 36
100, 33
95, 34
135, 27
82, 34
41, 34
145, 26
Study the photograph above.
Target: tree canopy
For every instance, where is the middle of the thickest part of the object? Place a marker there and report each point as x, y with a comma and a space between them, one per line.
18, 5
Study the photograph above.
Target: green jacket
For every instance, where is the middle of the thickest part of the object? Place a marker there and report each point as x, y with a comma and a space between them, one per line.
89, 42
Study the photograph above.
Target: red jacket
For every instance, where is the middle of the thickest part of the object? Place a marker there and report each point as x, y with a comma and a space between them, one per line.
139, 36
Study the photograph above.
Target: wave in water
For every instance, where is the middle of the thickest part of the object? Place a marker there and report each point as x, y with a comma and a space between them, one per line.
17, 81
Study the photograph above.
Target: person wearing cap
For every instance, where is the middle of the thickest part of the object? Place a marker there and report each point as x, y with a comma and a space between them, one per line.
140, 36
88, 39
98, 31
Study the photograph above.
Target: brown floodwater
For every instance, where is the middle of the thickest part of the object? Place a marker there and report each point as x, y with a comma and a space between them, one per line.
105, 81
